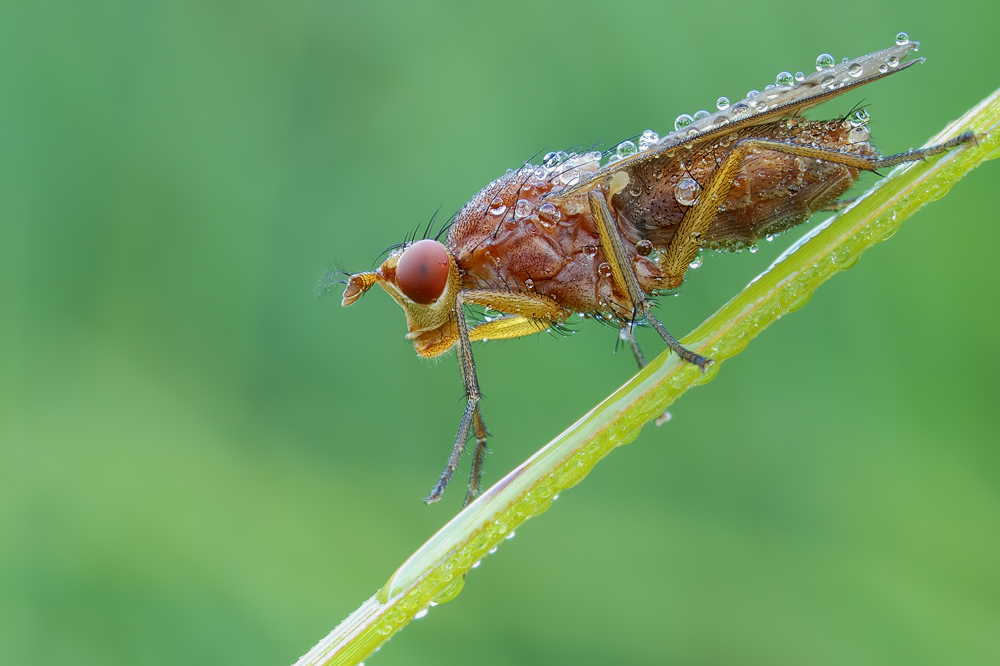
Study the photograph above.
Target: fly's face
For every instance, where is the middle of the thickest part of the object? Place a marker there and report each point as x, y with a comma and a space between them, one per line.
424, 279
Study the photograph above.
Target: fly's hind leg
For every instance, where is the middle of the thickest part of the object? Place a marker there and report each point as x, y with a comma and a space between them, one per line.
624, 275
690, 234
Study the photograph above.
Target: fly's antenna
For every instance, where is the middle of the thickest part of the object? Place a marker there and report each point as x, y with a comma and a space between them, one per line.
328, 281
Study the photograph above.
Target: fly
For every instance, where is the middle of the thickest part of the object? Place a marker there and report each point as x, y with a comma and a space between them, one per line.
599, 234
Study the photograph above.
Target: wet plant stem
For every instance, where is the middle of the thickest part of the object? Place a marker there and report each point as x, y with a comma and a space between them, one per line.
436, 572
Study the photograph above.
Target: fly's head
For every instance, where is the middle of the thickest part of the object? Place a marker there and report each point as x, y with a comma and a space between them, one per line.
424, 279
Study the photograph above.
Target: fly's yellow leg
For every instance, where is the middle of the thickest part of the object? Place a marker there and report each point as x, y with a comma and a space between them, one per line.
624, 276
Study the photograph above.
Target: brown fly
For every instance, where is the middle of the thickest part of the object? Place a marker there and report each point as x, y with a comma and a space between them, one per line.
599, 234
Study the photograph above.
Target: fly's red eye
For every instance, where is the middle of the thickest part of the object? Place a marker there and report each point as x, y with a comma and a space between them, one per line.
422, 271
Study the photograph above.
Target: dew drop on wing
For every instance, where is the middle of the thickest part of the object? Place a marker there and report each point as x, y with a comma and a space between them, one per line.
824, 61
722, 104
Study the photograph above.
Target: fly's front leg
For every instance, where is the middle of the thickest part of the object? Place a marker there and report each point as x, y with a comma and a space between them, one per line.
624, 276
536, 314
691, 232
470, 419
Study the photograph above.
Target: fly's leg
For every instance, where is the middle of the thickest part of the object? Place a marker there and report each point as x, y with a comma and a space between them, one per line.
476, 475
538, 314
690, 234
470, 417
624, 275
628, 335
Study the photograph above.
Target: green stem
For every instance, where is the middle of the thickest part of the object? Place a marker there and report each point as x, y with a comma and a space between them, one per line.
436, 572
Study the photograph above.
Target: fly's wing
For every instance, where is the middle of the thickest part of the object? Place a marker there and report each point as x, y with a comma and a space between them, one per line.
780, 101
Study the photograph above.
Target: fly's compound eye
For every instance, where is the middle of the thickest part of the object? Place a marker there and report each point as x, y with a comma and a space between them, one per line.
422, 271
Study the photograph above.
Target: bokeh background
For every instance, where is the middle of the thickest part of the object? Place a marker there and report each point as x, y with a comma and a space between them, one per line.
201, 463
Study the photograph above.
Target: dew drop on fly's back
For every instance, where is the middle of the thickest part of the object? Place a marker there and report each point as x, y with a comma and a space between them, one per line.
497, 206
784, 79
523, 209
548, 214
824, 61
722, 104
648, 138
902, 39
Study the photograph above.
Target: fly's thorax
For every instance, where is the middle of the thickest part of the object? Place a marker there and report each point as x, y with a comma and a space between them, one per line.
510, 237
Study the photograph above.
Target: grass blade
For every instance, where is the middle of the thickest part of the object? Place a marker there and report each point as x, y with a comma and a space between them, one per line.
436, 572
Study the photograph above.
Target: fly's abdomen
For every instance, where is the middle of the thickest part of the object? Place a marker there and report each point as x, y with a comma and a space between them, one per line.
771, 192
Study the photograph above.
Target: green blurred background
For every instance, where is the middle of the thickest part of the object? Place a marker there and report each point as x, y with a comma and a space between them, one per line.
201, 463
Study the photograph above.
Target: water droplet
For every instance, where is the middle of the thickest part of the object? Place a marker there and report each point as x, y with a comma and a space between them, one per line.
625, 149
572, 207
550, 159
648, 138
883, 68
753, 249
845, 60
828, 82
752, 93
893, 61
555, 497
784, 79
769, 86
523, 209
741, 110
902, 39
420, 614
687, 191
855, 69
548, 214
682, 120
859, 117
475, 565
529, 284
604, 269
769, 238
644, 247
722, 104
509, 536
799, 76
540, 175
569, 177
701, 114
497, 206
824, 61
697, 261
493, 549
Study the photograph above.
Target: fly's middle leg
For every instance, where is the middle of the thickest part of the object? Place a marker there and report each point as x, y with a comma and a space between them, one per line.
624, 276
